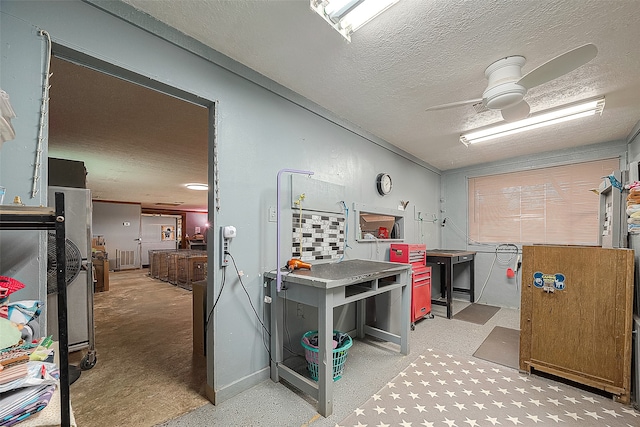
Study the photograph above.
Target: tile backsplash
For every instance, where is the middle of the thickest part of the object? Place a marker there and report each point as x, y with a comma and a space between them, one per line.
317, 236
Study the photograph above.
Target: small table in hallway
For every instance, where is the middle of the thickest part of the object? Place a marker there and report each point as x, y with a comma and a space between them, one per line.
446, 259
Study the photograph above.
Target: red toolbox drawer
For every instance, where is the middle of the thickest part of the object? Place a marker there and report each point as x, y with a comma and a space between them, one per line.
421, 294
408, 254
416, 255
421, 301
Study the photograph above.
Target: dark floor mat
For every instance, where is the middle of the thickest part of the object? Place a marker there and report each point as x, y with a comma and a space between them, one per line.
476, 313
502, 346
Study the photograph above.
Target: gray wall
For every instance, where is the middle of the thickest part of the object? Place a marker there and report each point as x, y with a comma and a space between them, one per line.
634, 144
255, 127
196, 219
109, 220
151, 227
499, 290
22, 253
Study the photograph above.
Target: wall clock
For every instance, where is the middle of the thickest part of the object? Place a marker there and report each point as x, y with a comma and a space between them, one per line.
384, 184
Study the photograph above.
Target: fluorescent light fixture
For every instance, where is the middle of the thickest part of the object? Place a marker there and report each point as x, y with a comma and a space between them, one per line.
199, 187
552, 117
346, 16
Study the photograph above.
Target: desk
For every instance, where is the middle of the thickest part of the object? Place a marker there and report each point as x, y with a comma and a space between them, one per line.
446, 259
326, 286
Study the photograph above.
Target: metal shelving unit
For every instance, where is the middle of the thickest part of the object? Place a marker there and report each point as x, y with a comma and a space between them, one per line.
45, 218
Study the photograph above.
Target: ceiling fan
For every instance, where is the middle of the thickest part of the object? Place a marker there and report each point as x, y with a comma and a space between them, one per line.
507, 87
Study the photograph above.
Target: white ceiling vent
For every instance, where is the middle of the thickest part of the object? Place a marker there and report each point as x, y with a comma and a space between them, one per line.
480, 107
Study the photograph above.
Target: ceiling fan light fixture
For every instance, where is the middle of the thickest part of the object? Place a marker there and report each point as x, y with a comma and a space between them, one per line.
551, 117
346, 16
197, 186
503, 90
505, 68
504, 95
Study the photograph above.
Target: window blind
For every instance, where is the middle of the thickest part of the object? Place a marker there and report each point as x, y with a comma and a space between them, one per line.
552, 205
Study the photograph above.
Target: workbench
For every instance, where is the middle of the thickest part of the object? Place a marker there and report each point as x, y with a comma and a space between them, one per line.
331, 285
446, 259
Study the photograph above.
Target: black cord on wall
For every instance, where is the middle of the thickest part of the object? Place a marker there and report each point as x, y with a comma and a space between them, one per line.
206, 323
264, 327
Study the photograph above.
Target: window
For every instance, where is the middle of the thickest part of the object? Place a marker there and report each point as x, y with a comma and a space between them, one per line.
545, 206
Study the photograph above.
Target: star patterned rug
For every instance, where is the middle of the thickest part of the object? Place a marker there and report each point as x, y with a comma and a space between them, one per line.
440, 389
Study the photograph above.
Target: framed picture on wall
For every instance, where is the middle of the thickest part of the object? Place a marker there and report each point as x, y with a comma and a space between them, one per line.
168, 232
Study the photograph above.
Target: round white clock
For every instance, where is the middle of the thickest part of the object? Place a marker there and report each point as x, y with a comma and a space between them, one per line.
384, 184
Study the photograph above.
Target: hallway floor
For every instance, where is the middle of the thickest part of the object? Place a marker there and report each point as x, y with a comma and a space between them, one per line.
145, 371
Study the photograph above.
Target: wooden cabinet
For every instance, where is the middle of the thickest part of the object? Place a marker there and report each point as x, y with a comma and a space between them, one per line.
416, 255
101, 269
576, 315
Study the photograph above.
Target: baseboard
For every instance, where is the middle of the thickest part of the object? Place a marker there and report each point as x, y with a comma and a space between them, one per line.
228, 391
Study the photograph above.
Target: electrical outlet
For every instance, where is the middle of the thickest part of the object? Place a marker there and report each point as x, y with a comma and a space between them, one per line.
300, 310
272, 214
224, 247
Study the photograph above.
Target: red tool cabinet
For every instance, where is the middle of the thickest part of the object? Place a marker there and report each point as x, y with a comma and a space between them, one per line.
416, 255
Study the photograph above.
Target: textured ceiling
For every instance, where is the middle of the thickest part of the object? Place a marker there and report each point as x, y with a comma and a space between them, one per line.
422, 53
127, 135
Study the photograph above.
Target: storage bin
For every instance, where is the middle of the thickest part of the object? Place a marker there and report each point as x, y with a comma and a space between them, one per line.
339, 355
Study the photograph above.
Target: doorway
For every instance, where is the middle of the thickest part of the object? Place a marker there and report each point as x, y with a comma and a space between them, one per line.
141, 142
159, 232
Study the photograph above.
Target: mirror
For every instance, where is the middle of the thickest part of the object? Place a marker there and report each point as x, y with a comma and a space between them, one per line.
374, 226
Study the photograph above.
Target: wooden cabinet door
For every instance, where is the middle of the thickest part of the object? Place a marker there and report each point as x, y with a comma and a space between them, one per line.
579, 325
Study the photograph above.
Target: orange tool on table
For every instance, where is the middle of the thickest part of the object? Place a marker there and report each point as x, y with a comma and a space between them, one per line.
294, 264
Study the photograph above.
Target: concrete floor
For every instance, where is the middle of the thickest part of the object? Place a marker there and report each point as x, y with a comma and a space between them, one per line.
142, 378
370, 365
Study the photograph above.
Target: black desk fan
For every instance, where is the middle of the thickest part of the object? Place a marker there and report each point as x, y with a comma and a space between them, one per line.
73, 261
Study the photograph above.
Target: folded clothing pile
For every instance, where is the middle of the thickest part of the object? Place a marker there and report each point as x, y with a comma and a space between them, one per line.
633, 208
339, 339
28, 379
6, 114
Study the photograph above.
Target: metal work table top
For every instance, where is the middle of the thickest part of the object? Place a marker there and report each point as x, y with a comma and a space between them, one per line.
343, 273
448, 252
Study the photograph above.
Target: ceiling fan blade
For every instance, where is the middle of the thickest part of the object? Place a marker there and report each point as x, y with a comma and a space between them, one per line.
516, 112
559, 66
453, 104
